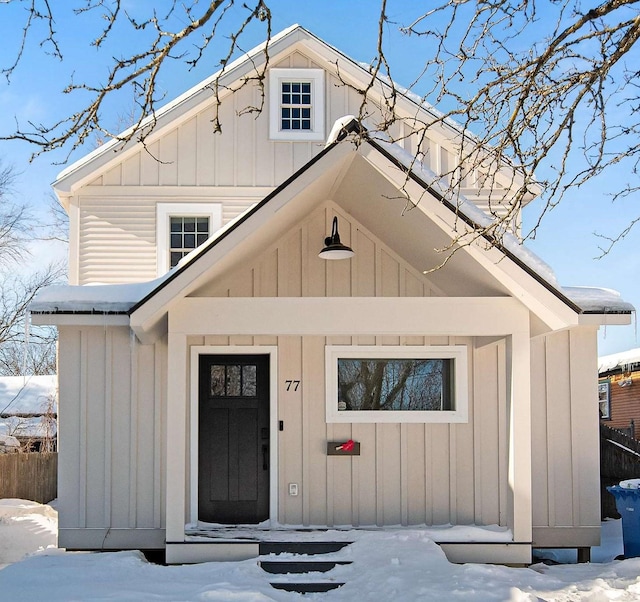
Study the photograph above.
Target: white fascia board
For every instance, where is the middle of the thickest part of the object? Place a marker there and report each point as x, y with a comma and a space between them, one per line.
523, 286
172, 114
605, 319
328, 316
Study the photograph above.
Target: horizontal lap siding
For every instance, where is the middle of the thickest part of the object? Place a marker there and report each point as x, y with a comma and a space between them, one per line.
111, 454
410, 474
117, 240
624, 402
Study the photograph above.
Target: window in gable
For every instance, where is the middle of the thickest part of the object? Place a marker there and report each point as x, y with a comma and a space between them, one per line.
295, 106
296, 100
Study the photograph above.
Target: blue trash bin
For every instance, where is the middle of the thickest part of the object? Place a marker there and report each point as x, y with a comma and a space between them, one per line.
628, 505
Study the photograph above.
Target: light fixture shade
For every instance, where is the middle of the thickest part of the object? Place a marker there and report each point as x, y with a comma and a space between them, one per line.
333, 248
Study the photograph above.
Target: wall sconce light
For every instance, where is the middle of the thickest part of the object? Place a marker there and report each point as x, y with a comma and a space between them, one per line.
333, 248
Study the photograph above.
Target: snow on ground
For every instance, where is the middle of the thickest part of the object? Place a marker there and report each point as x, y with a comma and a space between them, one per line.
394, 566
25, 527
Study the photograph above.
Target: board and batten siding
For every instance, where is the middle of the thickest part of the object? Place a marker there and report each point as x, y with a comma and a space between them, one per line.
110, 227
407, 474
112, 421
565, 435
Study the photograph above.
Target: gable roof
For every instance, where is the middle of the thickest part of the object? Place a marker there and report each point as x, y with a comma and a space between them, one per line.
202, 94
517, 271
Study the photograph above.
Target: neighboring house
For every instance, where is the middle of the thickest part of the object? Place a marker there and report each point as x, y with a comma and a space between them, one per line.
220, 391
29, 412
619, 391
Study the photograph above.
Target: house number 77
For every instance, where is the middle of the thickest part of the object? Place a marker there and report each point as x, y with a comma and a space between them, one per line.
292, 385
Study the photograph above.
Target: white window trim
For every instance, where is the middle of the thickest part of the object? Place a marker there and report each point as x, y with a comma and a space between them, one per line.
460, 389
164, 211
316, 77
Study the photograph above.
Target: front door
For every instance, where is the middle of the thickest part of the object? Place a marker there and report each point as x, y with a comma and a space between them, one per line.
233, 448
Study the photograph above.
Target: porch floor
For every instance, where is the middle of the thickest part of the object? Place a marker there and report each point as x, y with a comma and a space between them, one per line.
264, 532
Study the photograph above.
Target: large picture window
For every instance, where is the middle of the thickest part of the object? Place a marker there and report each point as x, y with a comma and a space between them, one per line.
397, 384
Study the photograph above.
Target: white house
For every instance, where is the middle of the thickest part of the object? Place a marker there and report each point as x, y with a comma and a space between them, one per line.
219, 391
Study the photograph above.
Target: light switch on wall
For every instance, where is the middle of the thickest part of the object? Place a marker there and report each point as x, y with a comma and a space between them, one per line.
293, 488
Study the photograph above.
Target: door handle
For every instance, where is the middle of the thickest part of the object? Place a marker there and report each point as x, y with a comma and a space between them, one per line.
265, 457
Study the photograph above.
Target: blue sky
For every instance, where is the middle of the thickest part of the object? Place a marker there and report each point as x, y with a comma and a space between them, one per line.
566, 239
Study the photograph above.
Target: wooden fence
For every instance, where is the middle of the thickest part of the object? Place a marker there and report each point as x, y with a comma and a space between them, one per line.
619, 460
29, 476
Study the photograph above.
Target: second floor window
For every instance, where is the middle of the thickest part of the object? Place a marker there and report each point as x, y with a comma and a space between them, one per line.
186, 233
295, 110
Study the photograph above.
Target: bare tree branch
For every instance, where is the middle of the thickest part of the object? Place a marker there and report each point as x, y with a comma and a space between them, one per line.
140, 70
544, 92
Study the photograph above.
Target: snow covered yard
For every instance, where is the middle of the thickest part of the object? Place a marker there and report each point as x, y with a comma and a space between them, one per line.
387, 566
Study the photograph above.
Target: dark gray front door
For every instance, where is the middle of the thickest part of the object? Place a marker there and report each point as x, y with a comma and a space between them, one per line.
233, 454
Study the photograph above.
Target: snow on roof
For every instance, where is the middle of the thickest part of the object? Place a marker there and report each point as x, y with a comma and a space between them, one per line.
9, 442
114, 298
26, 394
95, 298
607, 363
598, 300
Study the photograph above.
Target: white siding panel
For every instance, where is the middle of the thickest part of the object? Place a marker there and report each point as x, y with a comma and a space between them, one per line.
225, 146
565, 435
245, 137
168, 159
150, 165
111, 473
539, 436
131, 171
113, 233
488, 399
232, 208
70, 429
205, 149
186, 158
